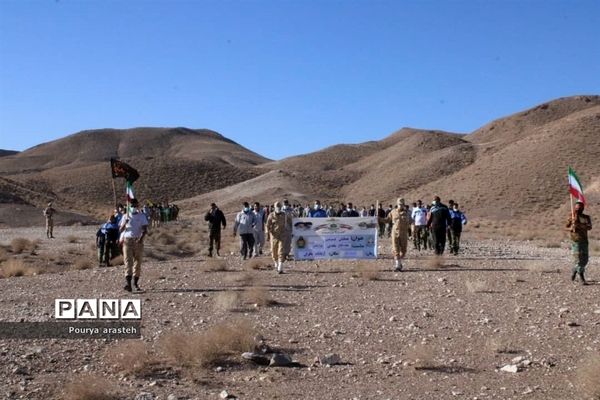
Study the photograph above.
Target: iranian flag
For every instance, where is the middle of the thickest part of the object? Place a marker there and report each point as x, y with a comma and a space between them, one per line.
575, 187
130, 195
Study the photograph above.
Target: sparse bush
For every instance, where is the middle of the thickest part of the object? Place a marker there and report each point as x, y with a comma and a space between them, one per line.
366, 272
261, 263
502, 346
476, 286
227, 301
89, 387
259, 296
82, 263
542, 267
214, 265
436, 262
588, 377
3, 254
20, 245
241, 279
132, 357
210, 347
16, 267
422, 357
72, 239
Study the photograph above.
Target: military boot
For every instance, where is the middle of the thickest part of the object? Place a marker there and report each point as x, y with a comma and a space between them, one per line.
128, 285
583, 281
135, 284
574, 274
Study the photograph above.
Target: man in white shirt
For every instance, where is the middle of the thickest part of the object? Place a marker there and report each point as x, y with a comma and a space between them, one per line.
419, 216
259, 229
133, 229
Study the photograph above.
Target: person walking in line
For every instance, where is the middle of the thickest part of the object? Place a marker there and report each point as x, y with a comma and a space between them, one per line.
245, 222
388, 211
49, 215
107, 238
448, 233
350, 212
216, 220
290, 215
578, 226
317, 211
381, 220
458, 219
438, 221
276, 229
133, 229
259, 229
419, 216
401, 223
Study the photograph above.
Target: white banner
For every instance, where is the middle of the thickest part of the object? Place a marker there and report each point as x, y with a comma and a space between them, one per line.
334, 238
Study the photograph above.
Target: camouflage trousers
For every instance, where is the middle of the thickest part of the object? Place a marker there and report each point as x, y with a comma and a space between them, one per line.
49, 227
399, 244
581, 256
277, 250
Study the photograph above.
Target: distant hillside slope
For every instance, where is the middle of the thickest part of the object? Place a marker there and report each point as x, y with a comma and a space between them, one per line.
173, 164
7, 152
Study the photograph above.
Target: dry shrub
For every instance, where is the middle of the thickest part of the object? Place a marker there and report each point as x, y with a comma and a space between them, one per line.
118, 260
241, 279
82, 263
210, 347
436, 262
366, 272
259, 296
422, 357
261, 263
3, 254
227, 301
164, 238
542, 267
588, 377
476, 286
132, 357
214, 265
16, 267
19, 245
502, 346
72, 239
89, 387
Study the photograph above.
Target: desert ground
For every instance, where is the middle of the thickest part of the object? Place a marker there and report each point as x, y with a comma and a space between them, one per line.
501, 320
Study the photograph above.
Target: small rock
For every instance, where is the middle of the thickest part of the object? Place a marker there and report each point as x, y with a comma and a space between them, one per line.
219, 369
226, 395
510, 368
172, 397
280, 360
392, 318
573, 324
517, 360
20, 371
330, 359
144, 396
257, 358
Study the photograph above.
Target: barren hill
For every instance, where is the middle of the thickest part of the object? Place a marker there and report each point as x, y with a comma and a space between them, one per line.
7, 152
173, 163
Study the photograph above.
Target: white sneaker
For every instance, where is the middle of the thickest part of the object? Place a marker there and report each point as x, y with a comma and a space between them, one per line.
397, 265
279, 267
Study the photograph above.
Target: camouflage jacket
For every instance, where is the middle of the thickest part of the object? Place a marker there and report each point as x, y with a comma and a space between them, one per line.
579, 227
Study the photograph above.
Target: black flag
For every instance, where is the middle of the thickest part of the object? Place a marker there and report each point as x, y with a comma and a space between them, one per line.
120, 169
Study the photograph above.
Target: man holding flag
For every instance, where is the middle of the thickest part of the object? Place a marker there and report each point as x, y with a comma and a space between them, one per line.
578, 225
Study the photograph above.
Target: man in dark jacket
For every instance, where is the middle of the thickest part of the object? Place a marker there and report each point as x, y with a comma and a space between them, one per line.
216, 219
350, 212
438, 219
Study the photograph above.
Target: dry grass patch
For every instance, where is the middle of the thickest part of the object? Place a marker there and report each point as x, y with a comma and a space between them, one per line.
261, 263
422, 357
82, 264
436, 262
366, 272
210, 347
3, 254
132, 358
259, 296
240, 279
227, 301
89, 387
72, 239
16, 267
20, 245
476, 286
588, 377
502, 346
214, 265
542, 267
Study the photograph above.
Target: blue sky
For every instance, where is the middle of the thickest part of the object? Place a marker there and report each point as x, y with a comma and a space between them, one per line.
287, 77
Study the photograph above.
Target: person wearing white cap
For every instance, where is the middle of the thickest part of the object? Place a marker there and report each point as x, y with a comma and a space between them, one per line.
49, 214
401, 220
276, 228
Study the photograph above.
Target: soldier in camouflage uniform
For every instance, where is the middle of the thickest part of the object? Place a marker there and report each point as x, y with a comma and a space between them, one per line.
276, 228
401, 223
49, 214
578, 225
